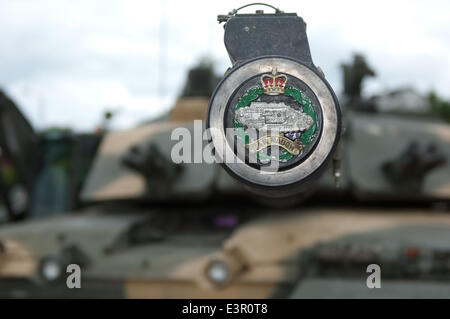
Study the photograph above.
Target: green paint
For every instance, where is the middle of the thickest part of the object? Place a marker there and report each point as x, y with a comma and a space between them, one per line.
303, 100
249, 97
8, 175
241, 133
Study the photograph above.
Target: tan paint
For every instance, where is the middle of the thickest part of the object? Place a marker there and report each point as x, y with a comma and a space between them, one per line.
185, 110
136, 288
275, 239
188, 109
16, 260
442, 191
194, 270
271, 246
123, 187
441, 131
116, 143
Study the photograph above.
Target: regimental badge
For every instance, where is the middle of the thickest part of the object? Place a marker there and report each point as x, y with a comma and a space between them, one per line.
282, 115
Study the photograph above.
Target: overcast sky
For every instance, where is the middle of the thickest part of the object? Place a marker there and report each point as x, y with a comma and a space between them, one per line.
64, 62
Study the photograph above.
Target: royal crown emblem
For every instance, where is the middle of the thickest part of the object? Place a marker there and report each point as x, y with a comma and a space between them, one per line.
274, 83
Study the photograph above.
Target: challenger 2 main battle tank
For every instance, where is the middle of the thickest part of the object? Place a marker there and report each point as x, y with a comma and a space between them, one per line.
375, 193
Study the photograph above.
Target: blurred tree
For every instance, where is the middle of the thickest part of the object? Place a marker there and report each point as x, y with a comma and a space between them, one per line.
354, 75
439, 107
201, 79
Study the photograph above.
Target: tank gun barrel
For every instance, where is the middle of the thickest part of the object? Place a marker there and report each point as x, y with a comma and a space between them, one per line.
285, 115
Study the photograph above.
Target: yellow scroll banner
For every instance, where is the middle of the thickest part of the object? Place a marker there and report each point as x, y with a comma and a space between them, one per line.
278, 140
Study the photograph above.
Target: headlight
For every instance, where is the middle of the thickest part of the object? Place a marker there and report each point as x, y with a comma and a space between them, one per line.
218, 272
51, 268
18, 198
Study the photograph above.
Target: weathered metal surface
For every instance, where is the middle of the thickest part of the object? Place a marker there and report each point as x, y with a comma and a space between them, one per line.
273, 116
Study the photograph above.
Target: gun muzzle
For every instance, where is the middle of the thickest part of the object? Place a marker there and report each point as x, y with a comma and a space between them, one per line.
274, 120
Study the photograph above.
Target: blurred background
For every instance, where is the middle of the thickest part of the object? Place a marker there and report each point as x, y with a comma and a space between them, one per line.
91, 91
67, 62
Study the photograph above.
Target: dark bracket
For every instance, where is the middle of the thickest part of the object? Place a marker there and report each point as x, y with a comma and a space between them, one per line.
249, 36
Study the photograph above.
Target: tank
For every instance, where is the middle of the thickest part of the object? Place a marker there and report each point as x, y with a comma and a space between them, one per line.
152, 227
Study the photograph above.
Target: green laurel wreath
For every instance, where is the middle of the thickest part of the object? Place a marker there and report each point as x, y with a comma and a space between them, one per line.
292, 92
306, 103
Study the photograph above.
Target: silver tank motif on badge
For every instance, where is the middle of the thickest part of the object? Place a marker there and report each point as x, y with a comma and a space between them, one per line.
273, 116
